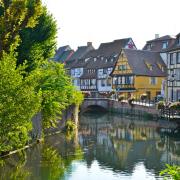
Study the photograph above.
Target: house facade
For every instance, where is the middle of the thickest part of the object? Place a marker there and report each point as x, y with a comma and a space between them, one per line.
139, 72
96, 76
76, 70
173, 80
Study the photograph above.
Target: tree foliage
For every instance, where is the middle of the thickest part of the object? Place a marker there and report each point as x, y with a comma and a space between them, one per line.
18, 103
14, 16
28, 32
38, 43
171, 172
57, 91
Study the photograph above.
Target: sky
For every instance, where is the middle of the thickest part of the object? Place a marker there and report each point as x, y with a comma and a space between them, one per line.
98, 21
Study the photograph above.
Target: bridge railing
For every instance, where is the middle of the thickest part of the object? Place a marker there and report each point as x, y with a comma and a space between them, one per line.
114, 97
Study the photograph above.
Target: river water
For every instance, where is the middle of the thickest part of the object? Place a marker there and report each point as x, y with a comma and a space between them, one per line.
106, 146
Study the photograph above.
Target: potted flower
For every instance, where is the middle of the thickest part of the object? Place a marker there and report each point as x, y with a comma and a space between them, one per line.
143, 96
160, 105
130, 100
120, 98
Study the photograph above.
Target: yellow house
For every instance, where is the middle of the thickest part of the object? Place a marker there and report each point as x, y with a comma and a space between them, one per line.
139, 72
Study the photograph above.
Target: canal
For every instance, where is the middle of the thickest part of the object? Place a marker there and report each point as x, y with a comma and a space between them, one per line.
106, 146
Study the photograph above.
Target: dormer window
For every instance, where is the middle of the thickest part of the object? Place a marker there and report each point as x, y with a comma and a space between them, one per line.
164, 45
149, 66
86, 59
149, 46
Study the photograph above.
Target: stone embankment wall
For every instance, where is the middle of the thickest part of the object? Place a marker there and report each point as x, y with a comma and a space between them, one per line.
125, 108
70, 113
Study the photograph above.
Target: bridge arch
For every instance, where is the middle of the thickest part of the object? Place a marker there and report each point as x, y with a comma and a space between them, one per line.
101, 104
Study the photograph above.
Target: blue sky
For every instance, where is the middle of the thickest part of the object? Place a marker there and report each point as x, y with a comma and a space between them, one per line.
80, 21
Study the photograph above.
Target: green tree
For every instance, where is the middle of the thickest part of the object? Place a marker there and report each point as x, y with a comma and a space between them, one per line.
57, 91
38, 43
18, 103
14, 16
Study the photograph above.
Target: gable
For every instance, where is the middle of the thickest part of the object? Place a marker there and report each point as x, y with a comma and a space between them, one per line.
122, 65
130, 44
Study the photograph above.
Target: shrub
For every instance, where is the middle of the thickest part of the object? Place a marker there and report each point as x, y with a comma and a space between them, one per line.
160, 105
172, 171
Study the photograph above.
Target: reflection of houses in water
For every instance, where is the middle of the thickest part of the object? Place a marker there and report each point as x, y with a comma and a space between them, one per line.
120, 142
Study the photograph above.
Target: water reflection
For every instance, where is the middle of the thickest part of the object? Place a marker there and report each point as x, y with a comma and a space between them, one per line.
105, 147
48, 161
123, 142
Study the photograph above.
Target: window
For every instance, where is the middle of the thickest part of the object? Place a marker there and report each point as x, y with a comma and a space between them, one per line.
102, 82
128, 80
105, 71
115, 80
100, 72
177, 73
93, 82
120, 80
109, 70
151, 67
72, 72
164, 45
109, 82
122, 67
178, 58
148, 46
77, 72
152, 80
171, 59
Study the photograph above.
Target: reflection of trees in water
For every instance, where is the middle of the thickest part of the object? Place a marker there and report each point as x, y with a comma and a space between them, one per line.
43, 161
13, 167
119, 141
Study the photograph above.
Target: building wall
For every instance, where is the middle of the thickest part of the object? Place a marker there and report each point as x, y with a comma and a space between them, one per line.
104, 87
174, 70
143, 85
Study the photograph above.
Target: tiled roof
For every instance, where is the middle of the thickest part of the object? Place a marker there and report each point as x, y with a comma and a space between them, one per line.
138, 60
162, 38
60, 51
81, 52
109, 49
103, 57
157, 44
65, 56
176, 45
77, 63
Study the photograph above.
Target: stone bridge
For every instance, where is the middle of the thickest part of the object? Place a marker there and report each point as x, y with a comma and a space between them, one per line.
101, 103
118, 107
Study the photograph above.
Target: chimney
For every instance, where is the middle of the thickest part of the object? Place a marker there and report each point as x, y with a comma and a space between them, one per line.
156, 36
89, 44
